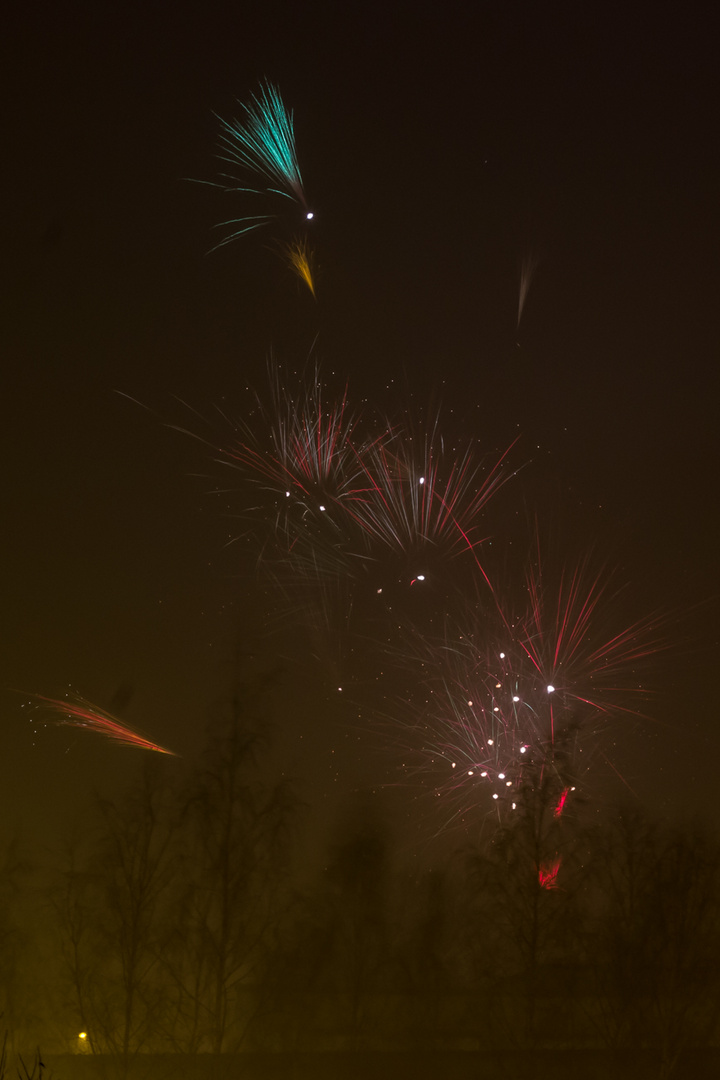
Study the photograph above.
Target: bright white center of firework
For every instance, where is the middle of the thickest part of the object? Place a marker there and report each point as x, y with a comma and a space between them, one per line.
551, 689
523, 749
453, 765
495, 795
322, 507
514, 806
502, 655
515, 697
340, 689
497, 685
421, 577
309, 216
501, 776
490, 742
421, 480
496, 709
379, 591
469, 702
483, 774
287, 494
508, 783
470, 772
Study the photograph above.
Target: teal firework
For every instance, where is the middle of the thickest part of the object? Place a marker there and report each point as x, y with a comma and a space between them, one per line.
264, 143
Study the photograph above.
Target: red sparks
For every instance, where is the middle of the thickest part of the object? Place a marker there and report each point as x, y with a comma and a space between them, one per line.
548, 872
82, 714
561, 803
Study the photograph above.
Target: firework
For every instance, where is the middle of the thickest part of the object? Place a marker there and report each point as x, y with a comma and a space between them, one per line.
471, 726
424, 504
79, 713
512, 697
300, 450
357, 506
265, 143
296, 460
567, 636
261, 145
522, 695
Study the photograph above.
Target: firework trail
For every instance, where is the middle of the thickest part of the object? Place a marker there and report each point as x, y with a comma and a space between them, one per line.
79, 713
528, 266
548, 873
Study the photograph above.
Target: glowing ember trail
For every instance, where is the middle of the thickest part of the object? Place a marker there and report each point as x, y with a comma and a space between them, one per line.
548, 872
82, 714
561, 803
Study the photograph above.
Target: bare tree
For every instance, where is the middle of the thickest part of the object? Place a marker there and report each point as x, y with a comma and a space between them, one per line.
110, 907
656, 939
356, 926
76, 902
426, 940
14, 870
235, 845
523, 886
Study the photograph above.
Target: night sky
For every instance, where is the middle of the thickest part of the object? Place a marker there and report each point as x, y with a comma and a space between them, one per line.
439, 145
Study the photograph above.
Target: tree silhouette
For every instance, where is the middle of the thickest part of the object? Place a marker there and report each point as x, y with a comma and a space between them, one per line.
522, 916
655, 938
111, 912
235, 849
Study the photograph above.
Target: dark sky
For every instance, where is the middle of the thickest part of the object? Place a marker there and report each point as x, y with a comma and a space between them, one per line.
439, 144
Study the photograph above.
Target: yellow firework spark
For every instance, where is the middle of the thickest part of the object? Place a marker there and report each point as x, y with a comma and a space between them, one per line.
300, 259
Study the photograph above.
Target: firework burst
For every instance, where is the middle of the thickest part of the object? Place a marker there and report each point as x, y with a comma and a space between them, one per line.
296, 459
424, 505
353, 505
511, 697
301, 451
